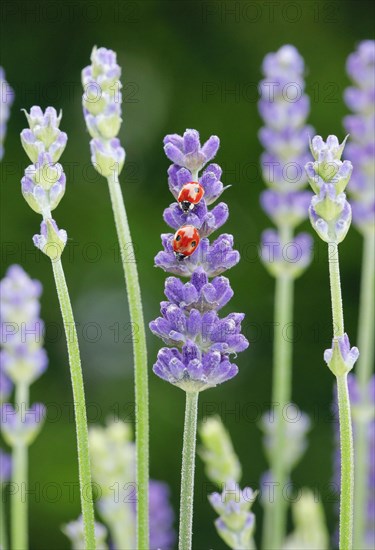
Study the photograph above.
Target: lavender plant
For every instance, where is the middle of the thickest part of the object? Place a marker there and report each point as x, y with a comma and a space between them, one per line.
330, 215
284, 108
102, 111
23, 360
6, 100
360, 150
43, 186
113, 465
236, 523
202, 342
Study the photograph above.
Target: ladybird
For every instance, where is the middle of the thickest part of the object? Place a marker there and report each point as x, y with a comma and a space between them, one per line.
185, 241
190, 195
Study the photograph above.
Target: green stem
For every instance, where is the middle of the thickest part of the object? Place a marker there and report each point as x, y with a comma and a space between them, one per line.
363, 375
140, 358
79, 405
187, 472
275, 513
347, 470
3, 526
346, 436
19, 508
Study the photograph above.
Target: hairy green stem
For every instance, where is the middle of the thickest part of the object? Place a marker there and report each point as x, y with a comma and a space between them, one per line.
346, 436
281, 395
187, 472
363, 375
79, 405
347, 461
140, 358
19, 507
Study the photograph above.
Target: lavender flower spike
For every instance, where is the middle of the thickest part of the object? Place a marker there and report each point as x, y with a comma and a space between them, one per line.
202, 341
43, 184
205, 340
236, 524
102, 111
284, 107
330, 213
361, 127
23, 360
360, 150
6, 100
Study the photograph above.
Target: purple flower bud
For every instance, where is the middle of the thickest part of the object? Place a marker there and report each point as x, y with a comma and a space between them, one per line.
290, 258
206, 221
43, 185
192, 370
51, 240
107, 157
186, 151
297, 424
21, 427
6, 100
214, 259
199, 293
286, 208
236, 523
210, 181
341, 357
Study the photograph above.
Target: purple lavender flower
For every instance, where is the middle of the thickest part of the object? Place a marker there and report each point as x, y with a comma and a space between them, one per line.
236, 523
202, 341
284, 108
6, 100
162, 516
186, 151
291, 258
361, 126
21, 427
362, 407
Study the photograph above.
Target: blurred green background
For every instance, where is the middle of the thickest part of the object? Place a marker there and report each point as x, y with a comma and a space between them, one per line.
171, 53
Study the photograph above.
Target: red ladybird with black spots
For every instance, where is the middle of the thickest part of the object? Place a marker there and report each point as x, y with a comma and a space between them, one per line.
185, 241
190, 195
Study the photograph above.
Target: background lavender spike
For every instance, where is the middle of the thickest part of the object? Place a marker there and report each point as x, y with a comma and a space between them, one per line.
23, 360
360, 150
6, 100
284, 107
